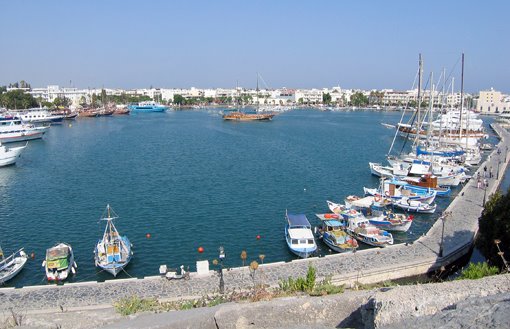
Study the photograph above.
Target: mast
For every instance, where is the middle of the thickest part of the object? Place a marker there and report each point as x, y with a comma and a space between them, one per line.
420, 77
461, 98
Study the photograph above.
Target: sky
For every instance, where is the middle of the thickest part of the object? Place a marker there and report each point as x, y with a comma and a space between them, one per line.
222, 44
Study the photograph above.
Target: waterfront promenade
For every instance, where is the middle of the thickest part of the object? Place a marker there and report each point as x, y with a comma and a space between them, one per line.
370, 265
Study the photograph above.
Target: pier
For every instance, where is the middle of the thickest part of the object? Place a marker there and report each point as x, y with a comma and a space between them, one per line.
450, 238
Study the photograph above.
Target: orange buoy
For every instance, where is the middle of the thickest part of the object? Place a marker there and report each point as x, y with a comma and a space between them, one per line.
32, 255
258, 237
148, 235
200, 250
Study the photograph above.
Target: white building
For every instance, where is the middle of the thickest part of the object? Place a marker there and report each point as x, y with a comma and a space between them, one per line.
491, 102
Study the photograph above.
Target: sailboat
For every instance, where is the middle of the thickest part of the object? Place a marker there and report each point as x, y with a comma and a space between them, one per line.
113, 252
12, 265
238, 115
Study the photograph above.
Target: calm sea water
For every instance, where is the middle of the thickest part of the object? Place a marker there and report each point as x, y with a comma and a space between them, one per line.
189, 179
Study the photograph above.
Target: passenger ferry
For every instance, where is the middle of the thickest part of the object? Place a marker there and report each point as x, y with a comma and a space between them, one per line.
147, 107
12, 129
39, 115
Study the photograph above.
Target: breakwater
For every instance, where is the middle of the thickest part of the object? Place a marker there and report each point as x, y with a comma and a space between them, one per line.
371, 265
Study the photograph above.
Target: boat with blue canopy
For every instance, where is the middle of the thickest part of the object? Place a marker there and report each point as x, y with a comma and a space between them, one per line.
299, 235
332, 232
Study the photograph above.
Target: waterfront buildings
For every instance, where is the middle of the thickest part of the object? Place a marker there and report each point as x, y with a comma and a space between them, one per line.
488, 102
492, 102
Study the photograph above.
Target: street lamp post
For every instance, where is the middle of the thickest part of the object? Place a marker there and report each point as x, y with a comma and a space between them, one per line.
221, 257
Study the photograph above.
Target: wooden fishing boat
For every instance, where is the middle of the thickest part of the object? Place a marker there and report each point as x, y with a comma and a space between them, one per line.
332, 232
113, 252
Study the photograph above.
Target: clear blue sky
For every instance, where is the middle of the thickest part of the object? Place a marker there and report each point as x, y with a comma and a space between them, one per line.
291, 43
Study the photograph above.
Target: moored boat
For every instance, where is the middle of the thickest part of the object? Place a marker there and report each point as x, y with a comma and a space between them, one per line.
237, 115
12, 129
299, 236
59, 262
332, 232
10, 266
376, 211
415, 206
145, 107
8, 156
113, 252
360, 228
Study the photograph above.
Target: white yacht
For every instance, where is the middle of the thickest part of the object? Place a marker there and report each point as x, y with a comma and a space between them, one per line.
39, 115
8, 156
12, 129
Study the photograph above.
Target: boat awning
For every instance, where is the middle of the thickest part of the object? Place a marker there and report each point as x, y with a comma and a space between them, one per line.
333, 223
300, 233
365, 202
298, 220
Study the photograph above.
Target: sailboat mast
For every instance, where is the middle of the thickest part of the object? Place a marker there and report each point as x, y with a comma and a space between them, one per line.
258, 99
461, 98
418, 125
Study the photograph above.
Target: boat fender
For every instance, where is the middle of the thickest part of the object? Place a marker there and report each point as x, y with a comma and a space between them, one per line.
73, 270
387, 193
74, 264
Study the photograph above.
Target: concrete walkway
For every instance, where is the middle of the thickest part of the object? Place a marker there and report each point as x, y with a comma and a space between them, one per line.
366, 266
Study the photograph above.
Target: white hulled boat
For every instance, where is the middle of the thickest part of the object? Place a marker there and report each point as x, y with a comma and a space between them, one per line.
12, 265
59, 262
113, 252
12, 129
8, 156
299, 236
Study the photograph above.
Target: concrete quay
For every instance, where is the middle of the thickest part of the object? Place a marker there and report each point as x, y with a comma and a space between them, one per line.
366, 266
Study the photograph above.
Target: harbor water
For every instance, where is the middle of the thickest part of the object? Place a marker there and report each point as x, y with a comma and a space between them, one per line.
181, 180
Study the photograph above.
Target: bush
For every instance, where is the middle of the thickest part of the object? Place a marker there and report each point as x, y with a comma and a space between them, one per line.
478, 271
135, 304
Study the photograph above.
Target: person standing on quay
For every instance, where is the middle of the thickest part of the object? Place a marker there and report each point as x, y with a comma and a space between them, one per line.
485, 172
478, 183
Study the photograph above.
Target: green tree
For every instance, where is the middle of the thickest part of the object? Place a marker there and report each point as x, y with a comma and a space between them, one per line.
61, 101
17, 99
178, 99
358, 99
494, 228
326, 98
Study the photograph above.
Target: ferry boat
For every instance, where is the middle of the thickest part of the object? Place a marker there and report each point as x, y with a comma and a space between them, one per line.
113, 252
299, 236
39, 115
12, 129
150, 106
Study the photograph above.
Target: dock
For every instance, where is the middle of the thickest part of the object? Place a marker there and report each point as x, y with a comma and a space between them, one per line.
454, 233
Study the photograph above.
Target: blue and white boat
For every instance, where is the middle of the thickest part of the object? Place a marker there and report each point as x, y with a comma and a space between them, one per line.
299, 235
332, 232
441, 191
113, 252
147, 107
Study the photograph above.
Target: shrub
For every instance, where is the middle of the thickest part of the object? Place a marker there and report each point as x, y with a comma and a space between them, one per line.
477, 271
135, 304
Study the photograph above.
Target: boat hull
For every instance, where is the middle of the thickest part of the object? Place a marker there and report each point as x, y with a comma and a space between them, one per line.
8, 156
21, 137
13, 267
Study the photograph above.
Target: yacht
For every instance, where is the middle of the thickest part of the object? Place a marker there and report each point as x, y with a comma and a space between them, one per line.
39, 115
13, 129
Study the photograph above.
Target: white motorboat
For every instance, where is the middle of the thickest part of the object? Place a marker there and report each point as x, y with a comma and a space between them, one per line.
415, 206
59, 262
12, 129
299, 236
359, 227
8, 156
12, 265
39, 115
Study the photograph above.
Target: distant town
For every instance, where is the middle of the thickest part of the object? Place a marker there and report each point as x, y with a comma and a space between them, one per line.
486, 102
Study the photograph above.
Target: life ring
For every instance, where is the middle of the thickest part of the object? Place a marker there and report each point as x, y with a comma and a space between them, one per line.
377, 198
